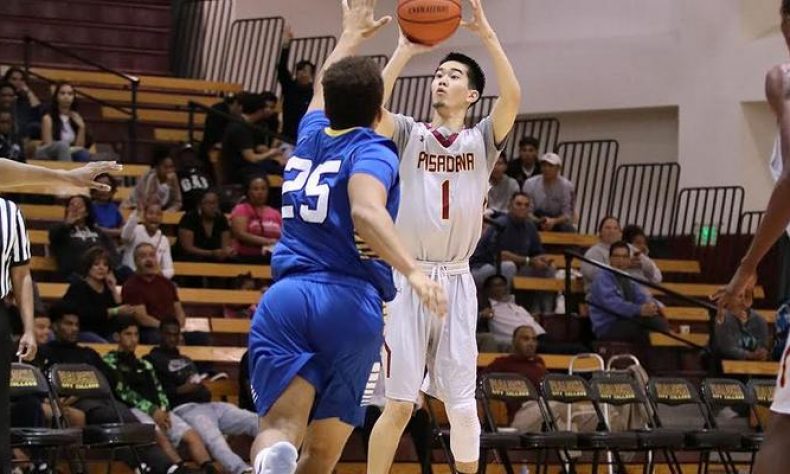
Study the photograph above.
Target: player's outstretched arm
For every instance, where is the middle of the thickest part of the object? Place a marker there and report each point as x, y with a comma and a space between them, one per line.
505, 110
392, 71
777, 215
359, 24
13, 173
373, 223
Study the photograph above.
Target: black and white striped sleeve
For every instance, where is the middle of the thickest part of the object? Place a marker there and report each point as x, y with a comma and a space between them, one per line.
20, 253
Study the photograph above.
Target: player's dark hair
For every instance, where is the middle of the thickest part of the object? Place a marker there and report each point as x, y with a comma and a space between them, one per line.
303, 64
477, 78
529, 141
353, 92
60, 309
619, 245
785, 7
606, 218
631, 232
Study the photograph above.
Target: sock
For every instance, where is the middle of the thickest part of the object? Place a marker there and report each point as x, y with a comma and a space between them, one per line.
258, 464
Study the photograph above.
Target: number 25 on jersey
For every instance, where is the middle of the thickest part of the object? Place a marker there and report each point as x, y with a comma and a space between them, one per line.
309, 180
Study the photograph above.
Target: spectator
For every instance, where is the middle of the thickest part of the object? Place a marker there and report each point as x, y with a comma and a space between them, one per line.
108, 217
243, 282
502, 188
27, 107
191, 400
70, 240
135, 233
297, 90
526, 166
642, 266
204, 233
10, 143
153, 296
255, 226
95, 297
137, 385
743, 335
193, 178
243, 153
517, 241
616, 303
63, 131
214, 128
159, 184
551, 196
65, 350
42, 327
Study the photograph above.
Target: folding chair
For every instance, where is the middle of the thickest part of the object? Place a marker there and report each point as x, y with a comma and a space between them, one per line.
621, 389
718, 393
28, 381
762, 391
85, 381
570, 389
498, 388
701, 436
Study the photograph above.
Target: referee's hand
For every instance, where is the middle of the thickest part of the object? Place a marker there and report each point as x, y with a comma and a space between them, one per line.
84, 176
27, 347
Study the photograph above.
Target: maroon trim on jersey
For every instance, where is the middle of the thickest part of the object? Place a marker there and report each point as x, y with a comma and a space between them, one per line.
445, 141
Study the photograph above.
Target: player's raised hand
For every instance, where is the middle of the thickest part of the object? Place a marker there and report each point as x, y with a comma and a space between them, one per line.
359, 18
410, 47
431, 292
479, 23
727, 297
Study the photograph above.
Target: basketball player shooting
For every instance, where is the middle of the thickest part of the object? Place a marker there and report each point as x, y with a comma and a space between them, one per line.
444, 171
773, 451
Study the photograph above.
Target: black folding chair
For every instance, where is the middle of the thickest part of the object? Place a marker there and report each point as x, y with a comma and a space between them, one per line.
85, 381
569, 389
699, 435
762, 396
28, 381
509, 388
619, 389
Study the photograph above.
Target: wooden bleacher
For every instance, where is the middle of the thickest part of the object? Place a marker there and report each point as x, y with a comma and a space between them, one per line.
149, 98
700, 290
661, 340
146, 81
750, 367
175, 135
128, 171
153, 116
665, 265
193, 296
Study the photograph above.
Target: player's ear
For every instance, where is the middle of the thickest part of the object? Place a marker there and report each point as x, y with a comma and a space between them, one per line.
472, 96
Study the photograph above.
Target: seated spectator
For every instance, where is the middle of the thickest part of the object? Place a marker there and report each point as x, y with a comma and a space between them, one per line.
642, 266
297, 90
526, 165
137, 385
190, 399
105, 210
95, 298
159, 184
193, 178
27, 107
743, 334
215, 125
11, 146
70, 240
551, 196
244, 152
65, 350
247, 283
502, 187
255, 226
204, 233
517, 240
63, 131
154, 297
135, 233
617, 303
42, 329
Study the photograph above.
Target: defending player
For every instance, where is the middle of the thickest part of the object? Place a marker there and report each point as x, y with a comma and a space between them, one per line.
773, 451
444, 172
318, 330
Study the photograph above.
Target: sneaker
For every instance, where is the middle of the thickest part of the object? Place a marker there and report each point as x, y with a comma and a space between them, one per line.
280, 459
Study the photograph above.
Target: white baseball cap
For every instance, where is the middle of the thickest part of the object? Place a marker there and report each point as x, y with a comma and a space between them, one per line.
552, 159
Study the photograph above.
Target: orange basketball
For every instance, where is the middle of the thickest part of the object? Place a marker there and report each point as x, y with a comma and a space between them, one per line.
429, 22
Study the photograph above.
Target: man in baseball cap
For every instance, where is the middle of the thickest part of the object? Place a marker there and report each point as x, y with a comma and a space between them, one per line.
551, 196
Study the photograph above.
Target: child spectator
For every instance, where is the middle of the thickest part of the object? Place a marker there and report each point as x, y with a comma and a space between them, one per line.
105, 209
255, 226
135, 233
247, 283
160, 183
204, 233
63, 131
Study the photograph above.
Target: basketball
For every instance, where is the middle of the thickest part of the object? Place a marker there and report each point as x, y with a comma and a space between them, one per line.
429, 22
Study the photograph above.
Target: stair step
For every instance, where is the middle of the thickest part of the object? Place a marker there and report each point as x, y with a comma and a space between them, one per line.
124, 97
154, 116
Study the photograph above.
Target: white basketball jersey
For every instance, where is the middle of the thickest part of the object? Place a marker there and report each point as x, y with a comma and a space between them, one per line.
781, 403
443, 186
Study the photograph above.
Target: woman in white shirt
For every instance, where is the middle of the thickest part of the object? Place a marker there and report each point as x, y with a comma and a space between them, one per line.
63, 129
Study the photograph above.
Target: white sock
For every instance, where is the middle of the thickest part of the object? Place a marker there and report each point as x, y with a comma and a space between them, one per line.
258, 464
280, 458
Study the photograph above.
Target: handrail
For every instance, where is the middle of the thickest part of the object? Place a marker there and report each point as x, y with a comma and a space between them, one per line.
570, 255
134, 82
232, 118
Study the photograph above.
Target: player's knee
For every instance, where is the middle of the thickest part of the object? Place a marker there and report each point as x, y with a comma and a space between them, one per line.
464, 430
398, 412
321, 453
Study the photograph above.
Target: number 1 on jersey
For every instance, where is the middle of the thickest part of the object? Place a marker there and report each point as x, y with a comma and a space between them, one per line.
446, 200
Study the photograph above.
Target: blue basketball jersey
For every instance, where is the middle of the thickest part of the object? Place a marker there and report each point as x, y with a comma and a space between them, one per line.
318, 232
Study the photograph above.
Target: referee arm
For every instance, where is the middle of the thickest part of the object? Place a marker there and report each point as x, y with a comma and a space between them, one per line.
13, 173
22, 282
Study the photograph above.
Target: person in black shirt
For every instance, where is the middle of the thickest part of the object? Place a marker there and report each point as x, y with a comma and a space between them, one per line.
244, 151
214, 128
10, 143
297, 90
526, 165
204, 233
27, 109
193, 178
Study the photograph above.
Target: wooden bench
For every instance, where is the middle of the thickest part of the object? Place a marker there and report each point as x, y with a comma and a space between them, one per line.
568, 238
223, 354
694, 314
665, 265
175, 135
154, 115
750, 367
151, 98
661, 340
149, 82
41, 237
193, 296
700, 290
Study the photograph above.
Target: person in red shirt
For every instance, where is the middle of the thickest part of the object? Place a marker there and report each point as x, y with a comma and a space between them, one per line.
255, 226
153, 296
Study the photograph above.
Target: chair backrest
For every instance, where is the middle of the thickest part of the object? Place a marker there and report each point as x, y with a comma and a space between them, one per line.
718, 392
499, 390
762, 391
675, 392
79, 380
617, 388
565, 388
27, 380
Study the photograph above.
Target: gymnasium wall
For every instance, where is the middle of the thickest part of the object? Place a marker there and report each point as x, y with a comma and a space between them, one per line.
673, 80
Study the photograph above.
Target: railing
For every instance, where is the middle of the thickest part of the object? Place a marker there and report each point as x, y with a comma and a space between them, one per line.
134, 83
198, 45
252, 49
590, 165
380, 59
749, 222
545, 129
644, 194
480, 110
411, 96
570, 298
314, 49
194, 107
